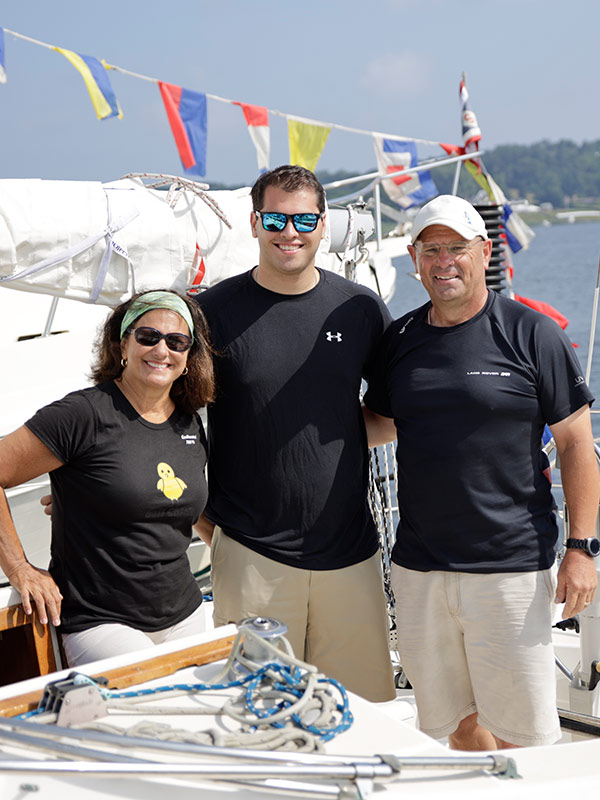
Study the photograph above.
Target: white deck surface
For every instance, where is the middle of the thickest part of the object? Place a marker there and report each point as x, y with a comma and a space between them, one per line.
546, 772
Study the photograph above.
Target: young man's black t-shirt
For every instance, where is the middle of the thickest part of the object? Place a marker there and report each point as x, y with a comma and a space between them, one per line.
288, 467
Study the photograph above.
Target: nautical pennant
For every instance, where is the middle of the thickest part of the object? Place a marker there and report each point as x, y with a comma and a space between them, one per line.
97, 82
471, 132
452, 149
518, 233
405, 190
198, 270
186, 112
2, 68
306, 142
257, 119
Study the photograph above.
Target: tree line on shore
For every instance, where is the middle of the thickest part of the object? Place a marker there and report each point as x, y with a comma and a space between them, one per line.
563, 173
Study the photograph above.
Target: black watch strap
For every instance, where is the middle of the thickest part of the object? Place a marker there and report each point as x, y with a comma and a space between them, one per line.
590, 546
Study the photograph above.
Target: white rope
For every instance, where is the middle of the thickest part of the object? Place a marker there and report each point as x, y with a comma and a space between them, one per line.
315, 703
307, 699
177, 182
348, 241
282, 739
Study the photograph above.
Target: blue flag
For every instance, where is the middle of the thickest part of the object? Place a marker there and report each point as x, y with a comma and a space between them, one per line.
186, 112
394, 155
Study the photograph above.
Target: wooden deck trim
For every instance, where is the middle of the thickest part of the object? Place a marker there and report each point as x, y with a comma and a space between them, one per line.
131, 674
14, 617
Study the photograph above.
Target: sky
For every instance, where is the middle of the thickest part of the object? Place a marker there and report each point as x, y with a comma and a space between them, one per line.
391, 66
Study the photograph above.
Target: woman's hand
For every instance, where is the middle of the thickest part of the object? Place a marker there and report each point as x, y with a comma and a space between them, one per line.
36, 586
46, 502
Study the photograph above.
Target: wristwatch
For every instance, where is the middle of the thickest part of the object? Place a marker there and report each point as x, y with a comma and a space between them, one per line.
591, 545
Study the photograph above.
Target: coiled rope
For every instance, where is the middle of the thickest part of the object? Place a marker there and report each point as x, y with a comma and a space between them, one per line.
284, 704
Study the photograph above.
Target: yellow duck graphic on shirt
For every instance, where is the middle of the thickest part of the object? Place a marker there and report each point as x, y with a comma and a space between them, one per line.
171, 486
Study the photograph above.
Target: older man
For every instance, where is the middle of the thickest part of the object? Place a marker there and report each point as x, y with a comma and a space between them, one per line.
470, 379
294, 537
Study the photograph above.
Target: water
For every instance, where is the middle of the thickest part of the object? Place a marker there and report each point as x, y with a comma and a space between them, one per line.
560, 267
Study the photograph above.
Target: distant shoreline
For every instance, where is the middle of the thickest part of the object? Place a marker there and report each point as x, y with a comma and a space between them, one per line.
560, 216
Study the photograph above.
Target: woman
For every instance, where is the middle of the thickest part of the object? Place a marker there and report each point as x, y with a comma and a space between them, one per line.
126, 460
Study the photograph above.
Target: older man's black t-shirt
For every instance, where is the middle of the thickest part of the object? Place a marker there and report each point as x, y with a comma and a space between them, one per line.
470, 403
123, 505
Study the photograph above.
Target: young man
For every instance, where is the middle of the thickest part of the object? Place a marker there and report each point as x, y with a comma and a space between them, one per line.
471, 378
294, 538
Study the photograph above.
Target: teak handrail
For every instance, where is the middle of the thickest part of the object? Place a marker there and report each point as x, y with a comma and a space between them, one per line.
14, 617
139, 672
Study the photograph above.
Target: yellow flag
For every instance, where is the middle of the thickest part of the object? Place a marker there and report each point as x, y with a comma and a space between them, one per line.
478, 175
306, 142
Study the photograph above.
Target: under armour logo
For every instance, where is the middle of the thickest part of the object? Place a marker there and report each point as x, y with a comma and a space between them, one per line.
331, 337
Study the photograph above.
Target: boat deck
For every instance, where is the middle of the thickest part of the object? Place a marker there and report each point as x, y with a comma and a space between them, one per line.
104, 769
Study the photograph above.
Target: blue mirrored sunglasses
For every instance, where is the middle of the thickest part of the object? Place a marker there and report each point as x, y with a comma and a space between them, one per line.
274, 222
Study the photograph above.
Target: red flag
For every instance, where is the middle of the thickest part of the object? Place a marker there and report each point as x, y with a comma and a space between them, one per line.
199, 267
257, 119
186, 112
453, 149
544, 308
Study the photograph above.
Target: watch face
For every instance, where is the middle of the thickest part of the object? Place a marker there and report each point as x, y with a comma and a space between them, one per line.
593, 547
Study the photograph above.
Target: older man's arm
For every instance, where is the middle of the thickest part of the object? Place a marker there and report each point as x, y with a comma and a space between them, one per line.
581, 484
380, 430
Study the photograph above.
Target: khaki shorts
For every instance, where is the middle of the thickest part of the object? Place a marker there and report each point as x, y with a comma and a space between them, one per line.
480, 643
336, 619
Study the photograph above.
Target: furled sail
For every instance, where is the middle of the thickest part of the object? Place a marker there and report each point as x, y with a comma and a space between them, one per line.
100, 242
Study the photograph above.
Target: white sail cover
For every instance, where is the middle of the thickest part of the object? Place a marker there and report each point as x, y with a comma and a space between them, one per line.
100, 243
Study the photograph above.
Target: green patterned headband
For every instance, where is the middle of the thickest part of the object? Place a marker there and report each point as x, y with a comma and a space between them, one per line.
153, 300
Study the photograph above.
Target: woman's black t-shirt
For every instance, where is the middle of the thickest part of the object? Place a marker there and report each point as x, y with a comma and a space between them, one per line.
124, 502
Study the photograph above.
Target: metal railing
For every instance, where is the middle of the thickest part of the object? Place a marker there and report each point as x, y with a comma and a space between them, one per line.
374, 184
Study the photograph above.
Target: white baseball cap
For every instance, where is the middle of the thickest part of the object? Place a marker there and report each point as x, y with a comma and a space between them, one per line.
453, 212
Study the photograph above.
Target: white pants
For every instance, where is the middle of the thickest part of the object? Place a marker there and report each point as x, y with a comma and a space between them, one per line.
113, 639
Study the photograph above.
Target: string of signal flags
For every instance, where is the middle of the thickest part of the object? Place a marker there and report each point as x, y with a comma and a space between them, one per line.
187, 114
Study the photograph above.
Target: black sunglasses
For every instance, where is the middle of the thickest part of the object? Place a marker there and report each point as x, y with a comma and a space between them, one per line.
148, 337
274, 222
